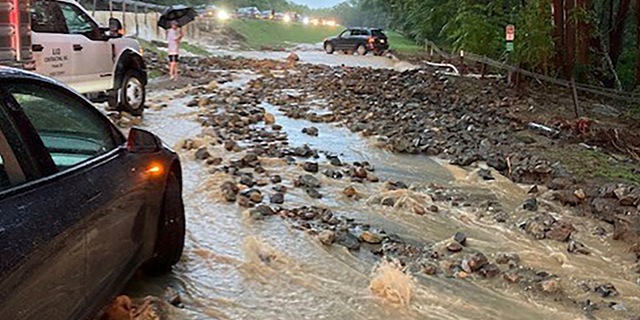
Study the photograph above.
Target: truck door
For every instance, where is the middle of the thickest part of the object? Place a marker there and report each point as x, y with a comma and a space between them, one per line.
92, 53
52, 51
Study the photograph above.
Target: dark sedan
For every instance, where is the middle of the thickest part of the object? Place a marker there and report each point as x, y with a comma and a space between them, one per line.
360, 40
81, 206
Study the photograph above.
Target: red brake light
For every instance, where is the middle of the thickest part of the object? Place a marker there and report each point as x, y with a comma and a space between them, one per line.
372, 40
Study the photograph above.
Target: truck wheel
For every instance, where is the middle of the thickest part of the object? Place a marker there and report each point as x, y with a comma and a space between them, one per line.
328, 47
361, 50
171, 229
132, 94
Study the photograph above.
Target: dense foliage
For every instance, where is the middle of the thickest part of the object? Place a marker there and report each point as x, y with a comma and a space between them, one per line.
592, 40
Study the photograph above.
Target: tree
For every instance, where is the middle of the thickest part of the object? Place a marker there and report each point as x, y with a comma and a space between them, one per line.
615, 37
558, 34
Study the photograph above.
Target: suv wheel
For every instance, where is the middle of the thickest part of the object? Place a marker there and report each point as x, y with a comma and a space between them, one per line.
171, 229
328, 47
361, 50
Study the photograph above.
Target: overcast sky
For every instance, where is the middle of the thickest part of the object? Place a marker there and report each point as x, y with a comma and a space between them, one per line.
318, 3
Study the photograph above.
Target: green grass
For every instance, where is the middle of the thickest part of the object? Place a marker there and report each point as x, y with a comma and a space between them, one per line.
260, 33
401, 44
591, 164
150, 47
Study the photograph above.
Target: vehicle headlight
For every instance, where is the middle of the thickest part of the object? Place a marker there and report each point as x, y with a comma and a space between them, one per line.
223, 15
286, 18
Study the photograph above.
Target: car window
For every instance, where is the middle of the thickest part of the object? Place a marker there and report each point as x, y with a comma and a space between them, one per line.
69, 129
79, 22
345, 34
46, 17
378, 34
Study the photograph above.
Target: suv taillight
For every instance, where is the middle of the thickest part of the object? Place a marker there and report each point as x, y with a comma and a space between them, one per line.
372, 40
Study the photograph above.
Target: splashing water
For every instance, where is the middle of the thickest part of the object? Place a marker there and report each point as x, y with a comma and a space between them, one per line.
392, 284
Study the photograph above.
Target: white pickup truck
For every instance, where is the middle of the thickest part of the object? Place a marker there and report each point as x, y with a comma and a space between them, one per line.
67, 44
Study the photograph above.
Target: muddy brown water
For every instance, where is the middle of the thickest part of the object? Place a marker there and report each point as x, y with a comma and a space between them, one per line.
224, 273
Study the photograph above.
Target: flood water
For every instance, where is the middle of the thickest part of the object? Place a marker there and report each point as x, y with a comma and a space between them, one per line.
234, 267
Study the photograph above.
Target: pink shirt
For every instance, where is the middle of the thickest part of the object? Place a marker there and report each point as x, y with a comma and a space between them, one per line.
173, 38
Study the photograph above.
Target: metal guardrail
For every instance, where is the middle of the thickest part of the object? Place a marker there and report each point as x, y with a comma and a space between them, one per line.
604, 92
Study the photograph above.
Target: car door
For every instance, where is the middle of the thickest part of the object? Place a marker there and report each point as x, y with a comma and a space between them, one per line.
92, 53
52, 52
343, 39
96, 194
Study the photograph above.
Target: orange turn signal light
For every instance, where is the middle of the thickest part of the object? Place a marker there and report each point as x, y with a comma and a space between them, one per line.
155, 169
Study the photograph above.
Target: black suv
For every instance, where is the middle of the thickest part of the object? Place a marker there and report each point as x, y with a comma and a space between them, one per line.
360, 40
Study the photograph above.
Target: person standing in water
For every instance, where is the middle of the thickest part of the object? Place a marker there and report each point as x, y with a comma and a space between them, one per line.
174, 37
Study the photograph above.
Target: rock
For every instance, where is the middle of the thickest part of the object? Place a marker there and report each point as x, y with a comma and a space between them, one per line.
269, 118
310, 167
454, 247
247, 181
577, 248
230, 145
312, 131
303, 151
307, 181
265, 210
214, 161
245, 202
348, 240
508, 258
277, 198
313, 193
485, 174
256, 196
397, 185
327, 237
350, 192
606, 290
372, 179
202, 154
511, 277
580, 194
335, 162
618, 306
533, 189
561, 183
429, 269
250, 160
530, 204
489, 270
418, 209
331, 173
460, 237
550, 286
477, 261
535, 229
561, 231
276, 179
433, 208
370, 237
566, 197
293, 57
389, 202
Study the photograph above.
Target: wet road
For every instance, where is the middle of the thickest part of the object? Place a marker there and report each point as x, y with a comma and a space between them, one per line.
224, 273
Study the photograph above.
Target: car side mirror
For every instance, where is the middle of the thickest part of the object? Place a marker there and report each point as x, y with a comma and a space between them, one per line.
142, 141
115, 28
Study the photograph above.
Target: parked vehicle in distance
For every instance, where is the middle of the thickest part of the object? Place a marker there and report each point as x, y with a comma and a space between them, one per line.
248, 13
59, 39
359, 40
208, 11
81, 206
267, 15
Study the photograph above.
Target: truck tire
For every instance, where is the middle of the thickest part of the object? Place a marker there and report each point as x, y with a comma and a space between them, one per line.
171, 229
328, 48
132, 94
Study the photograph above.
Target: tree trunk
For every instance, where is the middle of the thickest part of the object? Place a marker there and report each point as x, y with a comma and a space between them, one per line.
558, 34
615, 37
584, 31
638, 46
570, 37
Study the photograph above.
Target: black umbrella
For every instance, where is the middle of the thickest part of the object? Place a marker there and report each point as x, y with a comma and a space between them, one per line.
180, 13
